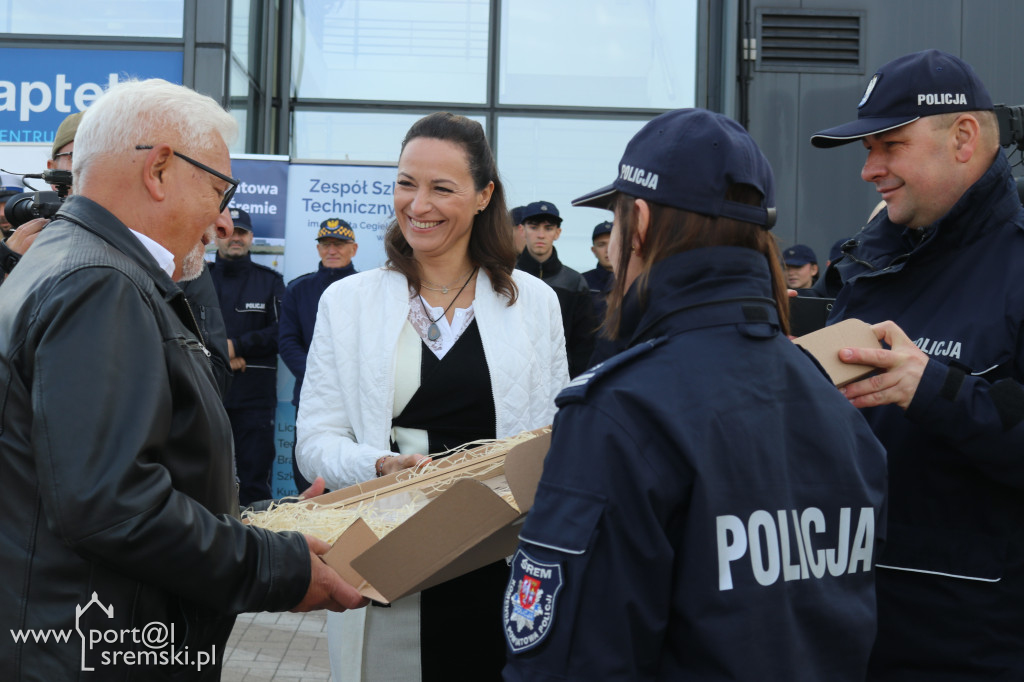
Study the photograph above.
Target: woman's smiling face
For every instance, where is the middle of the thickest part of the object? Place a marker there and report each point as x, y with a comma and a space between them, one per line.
435, 198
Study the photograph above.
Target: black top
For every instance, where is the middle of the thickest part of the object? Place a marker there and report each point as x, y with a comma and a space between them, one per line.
454, 403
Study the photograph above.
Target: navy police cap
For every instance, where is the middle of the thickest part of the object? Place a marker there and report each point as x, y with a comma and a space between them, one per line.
601, 229
908, 88
541, 208
240, 219
799, 254
688, 159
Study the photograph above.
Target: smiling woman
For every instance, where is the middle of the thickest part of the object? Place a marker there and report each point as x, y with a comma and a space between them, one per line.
445, 345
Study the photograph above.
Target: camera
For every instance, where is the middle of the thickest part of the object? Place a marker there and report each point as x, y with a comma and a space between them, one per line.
1011, 124
1011, 132
21, 208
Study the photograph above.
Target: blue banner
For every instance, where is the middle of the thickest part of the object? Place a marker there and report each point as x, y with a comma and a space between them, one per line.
41, 87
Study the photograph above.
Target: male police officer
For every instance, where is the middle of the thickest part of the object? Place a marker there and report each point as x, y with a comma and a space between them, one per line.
250, 299
600, 279
939, 272
336, 244
542, 229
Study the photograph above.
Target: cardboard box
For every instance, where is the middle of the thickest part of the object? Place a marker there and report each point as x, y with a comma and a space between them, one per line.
825, 344
465, 527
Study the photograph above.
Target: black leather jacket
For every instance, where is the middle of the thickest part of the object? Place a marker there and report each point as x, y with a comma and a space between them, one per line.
116, 459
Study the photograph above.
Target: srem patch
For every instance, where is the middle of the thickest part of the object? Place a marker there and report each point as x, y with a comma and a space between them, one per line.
529, 608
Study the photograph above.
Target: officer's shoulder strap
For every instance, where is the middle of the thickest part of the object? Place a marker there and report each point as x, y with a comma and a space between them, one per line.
578, 388
261, 266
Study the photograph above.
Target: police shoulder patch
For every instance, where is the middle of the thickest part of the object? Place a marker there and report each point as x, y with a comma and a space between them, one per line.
528, 611
577, 388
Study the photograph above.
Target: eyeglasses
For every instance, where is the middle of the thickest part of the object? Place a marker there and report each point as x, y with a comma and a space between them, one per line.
232, 182
60, 154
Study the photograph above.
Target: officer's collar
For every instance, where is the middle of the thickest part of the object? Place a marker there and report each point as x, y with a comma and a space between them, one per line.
332, 274
528, 263
692, 278
233, 266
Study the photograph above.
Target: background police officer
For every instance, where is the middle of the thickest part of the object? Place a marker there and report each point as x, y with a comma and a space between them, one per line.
542, 226
250, 300
336, 245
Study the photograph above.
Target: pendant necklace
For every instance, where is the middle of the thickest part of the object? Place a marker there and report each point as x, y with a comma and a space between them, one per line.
433, 332
443, 288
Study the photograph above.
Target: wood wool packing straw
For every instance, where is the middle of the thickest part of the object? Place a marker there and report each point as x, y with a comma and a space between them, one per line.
384, 508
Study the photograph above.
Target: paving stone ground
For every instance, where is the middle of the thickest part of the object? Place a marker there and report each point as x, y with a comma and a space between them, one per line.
282, 647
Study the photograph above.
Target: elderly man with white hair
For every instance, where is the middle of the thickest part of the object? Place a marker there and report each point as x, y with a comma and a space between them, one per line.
122, 550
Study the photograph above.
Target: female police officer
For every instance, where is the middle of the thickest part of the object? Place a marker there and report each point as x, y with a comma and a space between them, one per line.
710, 504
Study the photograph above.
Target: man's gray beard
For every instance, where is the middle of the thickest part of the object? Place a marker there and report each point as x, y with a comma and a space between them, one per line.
192, 265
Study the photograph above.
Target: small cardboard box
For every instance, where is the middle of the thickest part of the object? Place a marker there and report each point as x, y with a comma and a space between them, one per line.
464, 528
825, 343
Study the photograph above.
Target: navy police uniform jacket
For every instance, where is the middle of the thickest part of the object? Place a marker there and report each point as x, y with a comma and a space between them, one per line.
573, 293
298, 315
710, 505
954, 562
250, 301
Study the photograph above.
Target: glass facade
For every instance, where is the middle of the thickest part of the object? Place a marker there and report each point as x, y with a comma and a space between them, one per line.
558, 86
620, 53
391, 50
133, 18
558, 105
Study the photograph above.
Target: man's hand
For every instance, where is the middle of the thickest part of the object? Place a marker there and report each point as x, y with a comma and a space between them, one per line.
22, 238
904, 366
326, 588
237, 364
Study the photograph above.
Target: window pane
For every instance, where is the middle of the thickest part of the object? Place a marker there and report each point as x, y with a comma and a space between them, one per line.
557, 160
242, 117
619, 53
137, 18
241, 40
351, 137
400, 50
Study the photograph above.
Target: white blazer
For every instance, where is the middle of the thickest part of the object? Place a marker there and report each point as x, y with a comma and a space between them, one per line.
348, 394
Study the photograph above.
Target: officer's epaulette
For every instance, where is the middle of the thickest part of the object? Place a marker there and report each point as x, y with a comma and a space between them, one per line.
261, 266
577, 388
300, 278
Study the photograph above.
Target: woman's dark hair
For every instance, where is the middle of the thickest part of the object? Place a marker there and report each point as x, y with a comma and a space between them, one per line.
672, 230
490, 243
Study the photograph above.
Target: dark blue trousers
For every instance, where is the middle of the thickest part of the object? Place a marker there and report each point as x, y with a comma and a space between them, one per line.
253, 431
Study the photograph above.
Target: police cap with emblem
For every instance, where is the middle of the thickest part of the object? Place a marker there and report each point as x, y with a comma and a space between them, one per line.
601, 229
799, 254
688, 159
336, 228
908, 88
542, 209
240, 219
9, 191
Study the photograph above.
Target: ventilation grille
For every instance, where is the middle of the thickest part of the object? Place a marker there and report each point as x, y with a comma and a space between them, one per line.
810, 40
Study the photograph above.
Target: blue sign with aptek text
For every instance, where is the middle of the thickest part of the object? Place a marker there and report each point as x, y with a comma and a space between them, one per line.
41, 87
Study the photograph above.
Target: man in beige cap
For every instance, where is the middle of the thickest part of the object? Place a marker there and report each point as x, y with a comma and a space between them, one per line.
64, 143
20, 239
